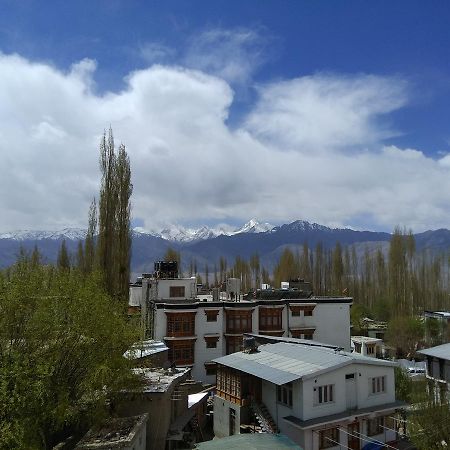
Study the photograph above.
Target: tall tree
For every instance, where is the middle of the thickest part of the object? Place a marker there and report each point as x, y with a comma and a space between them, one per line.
63, 261
89, 243
114, 239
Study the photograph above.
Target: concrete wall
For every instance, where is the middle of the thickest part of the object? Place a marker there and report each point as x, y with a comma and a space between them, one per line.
188, 283
159, 410
222, 416
364, 398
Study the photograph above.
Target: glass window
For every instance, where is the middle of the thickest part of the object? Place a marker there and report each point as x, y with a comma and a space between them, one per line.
284, 394
323, 394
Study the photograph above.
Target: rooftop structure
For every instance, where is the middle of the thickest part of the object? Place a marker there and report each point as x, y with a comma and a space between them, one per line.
128, 433
260, 441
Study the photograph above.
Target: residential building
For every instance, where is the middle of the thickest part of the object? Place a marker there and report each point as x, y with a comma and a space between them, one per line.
172, 400
127, 433
260, 441
368, 346
317, 395
438, 367
198, 329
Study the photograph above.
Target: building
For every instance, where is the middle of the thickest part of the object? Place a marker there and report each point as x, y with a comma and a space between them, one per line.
368, 346
438, 367
127, 433
173, 403
198, 329
317, 395
148, 353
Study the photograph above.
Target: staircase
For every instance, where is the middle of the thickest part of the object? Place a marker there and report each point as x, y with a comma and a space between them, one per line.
263, 417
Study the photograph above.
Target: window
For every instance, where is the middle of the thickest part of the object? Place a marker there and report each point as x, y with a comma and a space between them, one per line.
349, 376
176, 291
211, 341
210, 368
181, 352
305, 333
377, 385
370, 349
270, 319
307, 310
284, 394
234, 344
357, 347
211, 315
239, 321
180, 324
375, 426
328, 438
323, 394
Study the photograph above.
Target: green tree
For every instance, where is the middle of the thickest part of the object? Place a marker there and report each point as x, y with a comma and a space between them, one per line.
405, 334
172, 255
61, 347
63, 261
89, 243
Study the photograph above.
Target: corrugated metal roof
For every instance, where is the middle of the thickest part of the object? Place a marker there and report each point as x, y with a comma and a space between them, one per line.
440, 351
283, 362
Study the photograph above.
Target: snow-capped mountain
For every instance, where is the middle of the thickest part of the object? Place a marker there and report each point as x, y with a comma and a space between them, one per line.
33, 235
178, 233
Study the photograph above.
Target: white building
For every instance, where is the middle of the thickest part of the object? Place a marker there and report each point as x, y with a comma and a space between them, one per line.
318, 396
368, 346
200, 330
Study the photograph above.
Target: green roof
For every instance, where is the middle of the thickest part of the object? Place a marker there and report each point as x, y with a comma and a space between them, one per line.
250, 441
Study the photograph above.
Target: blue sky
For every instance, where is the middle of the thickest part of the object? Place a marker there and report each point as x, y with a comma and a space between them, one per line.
387, 62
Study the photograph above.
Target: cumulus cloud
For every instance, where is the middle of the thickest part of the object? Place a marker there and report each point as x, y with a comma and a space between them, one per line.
288, 159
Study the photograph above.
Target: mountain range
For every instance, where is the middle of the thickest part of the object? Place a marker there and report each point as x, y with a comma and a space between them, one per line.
206, 245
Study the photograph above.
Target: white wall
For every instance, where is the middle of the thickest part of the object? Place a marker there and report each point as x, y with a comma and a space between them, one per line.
363, 372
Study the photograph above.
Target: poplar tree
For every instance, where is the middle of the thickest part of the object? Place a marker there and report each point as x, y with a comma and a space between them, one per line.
114, 231
63, 261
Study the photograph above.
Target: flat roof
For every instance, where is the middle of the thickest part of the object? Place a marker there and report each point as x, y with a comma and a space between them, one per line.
250, 441
113, 433
440, 351
159, 380
145, 348
285, 362
366, 339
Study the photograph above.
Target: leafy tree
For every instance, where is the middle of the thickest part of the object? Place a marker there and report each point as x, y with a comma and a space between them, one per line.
63, 261
405, 334
89, 243
61, 347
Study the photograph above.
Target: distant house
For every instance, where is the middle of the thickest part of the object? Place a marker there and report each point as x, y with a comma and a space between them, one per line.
368, 346
438, 366
317, 395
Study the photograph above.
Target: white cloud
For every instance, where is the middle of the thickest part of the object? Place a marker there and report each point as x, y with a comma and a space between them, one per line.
233, 55
287, 160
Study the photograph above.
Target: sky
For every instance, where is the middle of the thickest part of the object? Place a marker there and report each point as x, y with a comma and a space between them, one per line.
332, 112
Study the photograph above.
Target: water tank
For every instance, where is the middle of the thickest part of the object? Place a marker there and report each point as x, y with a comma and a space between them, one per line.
233, 289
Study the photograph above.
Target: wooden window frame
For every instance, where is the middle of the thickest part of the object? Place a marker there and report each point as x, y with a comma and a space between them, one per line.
211, 341
308, 310
239, 321
328, 437
270, 319
177, 291
375, 426
180, 324
181, 352
211, 315
233, 344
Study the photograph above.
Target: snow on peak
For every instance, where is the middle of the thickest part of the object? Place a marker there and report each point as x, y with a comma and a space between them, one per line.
253, 226
35, 235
